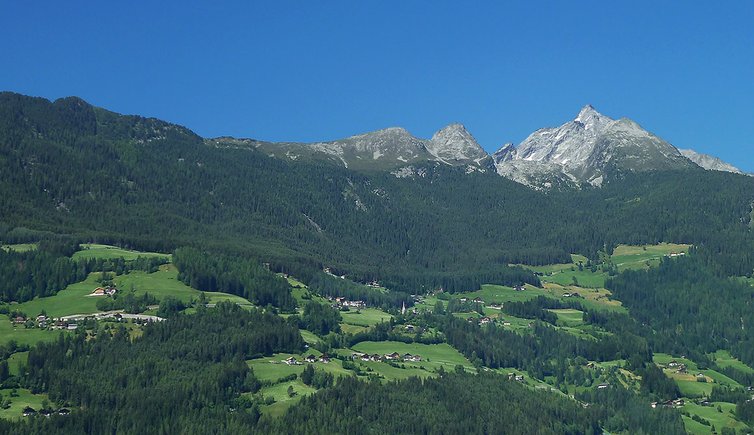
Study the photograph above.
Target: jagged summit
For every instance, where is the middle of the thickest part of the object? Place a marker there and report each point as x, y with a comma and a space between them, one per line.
385, 149
455, 143
586, 150
591, 118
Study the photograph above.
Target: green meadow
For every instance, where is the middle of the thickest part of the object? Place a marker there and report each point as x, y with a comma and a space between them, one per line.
23, 399
23, 335
687, 382
16, 361
75, 298
645, 256
569, 317
365, 317
723, 358
20, 247
433, 356
93, 250
711, 414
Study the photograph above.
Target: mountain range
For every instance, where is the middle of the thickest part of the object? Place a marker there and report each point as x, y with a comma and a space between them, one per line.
585, 151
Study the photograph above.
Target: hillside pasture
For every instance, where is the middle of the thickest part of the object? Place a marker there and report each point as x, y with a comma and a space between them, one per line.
569, 317
105, 252
642, 257
23, 399
715, 417
20, 247
75, 298
365, 317
16, 361
22, 335
433, 356
724, 359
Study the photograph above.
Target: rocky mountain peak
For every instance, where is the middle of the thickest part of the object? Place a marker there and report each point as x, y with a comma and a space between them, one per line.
455, 143
590, 118
586, 150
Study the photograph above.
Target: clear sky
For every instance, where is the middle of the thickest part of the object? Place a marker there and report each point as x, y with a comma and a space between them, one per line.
308, 71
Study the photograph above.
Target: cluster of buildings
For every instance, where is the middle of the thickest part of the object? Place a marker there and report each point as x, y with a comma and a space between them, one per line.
395, 356
679, 367
29, 411
43, 322
479, 301
676, 403
292, 361
341, 302
481, 320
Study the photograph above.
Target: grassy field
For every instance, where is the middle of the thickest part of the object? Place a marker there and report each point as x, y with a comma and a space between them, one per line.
433, 356
71, 300
21, 247
581, 278
687, 382
723, 358
498, 294
569, 317
642, 257
22, 335
92, 250
272, 368
15, 362
591, 298
715, 417
74, 299
25, 398
365, 317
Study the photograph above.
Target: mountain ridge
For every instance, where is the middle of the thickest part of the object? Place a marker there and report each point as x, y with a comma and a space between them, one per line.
584, 151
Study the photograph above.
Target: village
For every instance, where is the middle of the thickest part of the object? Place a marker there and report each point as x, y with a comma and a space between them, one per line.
324, 358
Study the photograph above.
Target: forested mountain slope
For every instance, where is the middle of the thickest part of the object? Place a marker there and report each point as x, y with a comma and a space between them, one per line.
68, 167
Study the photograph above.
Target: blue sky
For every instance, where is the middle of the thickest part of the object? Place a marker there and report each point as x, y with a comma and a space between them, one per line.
308, 71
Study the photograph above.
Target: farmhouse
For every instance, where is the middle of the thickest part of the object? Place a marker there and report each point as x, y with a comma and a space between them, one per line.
484, 320
392, 356
324, 358
29, 411
515, 377
311, 358
291, 361
412, 358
